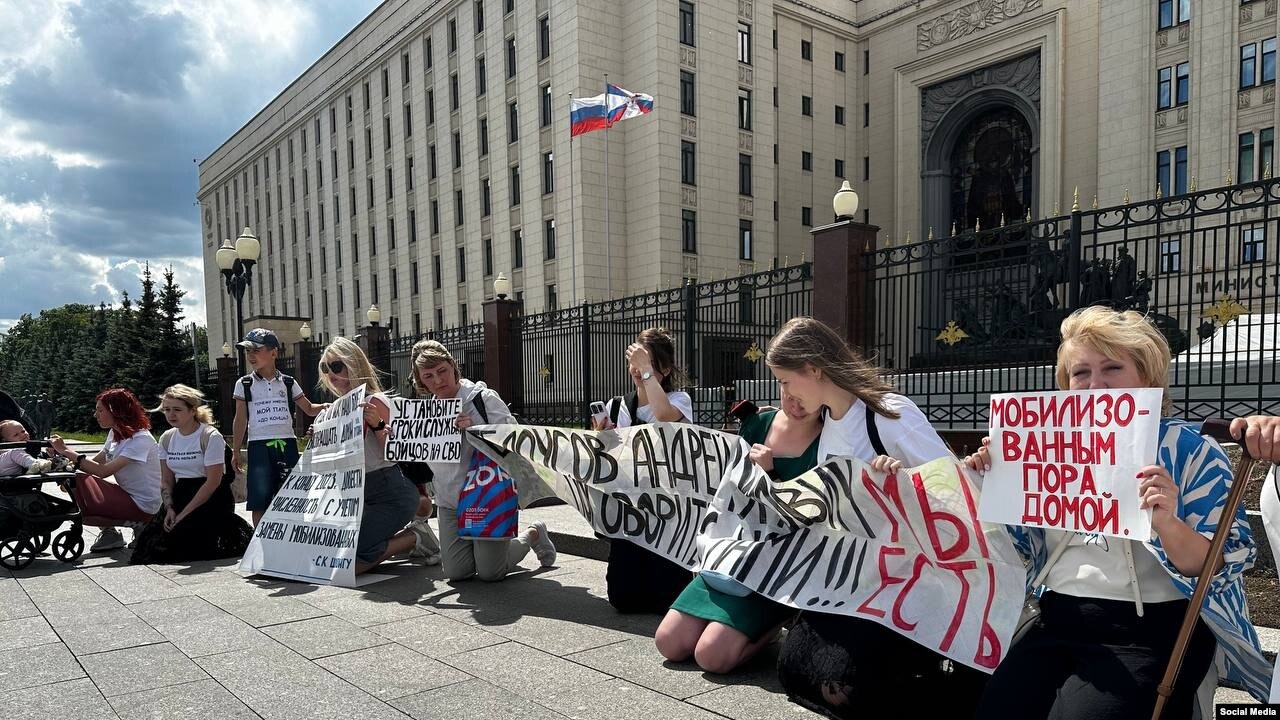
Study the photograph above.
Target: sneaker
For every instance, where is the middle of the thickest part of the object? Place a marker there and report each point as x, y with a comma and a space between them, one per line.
426, 544
543, 548
108, 539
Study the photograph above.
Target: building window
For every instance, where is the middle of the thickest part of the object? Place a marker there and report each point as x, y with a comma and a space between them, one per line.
433, 171
1182, 94
1248, 65
435, 217
806, 50
1171, 255
1174, 12
866, 167
839, 62
517, 248
479, 13
686, 93
386, 85
408, 173
462, 265
482, 80
744, 43
548, 173
546, 106
839, 114
515, 185
483, 129
1253, 244
513, 122
457, 208
552, 304
1180, 170
549, 237
508, 6
488, 257
457, 150
454, 92
1268, 60
866, 114
806, 216
744, 109
687, 34
453, 35
485, 205
404, 69
839, 168
806, 106
1266, 147
511, 57
806, 161
1244, 157
745, 250
437, 273
426, 52
413, 226
688, 231
544, 38
431, 107
688, 167
1164, 88
350, 113
744, 174
390, 187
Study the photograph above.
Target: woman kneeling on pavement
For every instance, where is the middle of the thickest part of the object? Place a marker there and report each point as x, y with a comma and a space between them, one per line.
1111, 608
722, 627
130, 455
198, 520
491, 560
844, 666
390, 500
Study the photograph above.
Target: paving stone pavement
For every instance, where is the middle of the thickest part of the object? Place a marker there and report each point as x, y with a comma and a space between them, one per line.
102, 639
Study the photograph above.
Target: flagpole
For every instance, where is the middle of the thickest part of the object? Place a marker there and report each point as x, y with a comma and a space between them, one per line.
608, 231
573, 223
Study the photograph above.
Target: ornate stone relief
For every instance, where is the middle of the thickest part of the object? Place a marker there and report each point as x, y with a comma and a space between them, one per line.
1021, 75
969, 19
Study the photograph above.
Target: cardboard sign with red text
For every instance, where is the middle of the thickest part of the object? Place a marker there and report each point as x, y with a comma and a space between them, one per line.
1069, 460
904, 550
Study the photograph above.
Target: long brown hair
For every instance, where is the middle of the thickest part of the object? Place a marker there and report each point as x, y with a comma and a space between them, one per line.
804, 342
662, 350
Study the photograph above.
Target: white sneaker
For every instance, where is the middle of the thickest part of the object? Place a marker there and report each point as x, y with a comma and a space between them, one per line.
108, 539
426, 545
543, 548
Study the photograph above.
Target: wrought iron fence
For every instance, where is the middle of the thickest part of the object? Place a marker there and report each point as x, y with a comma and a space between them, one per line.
573, 356
961, 317
465, 342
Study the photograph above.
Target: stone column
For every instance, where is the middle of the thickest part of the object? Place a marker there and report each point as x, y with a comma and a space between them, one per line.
503, 364
228, 375
843, 287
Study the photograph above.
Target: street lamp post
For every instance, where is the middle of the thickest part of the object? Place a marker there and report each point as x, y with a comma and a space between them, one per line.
236, 262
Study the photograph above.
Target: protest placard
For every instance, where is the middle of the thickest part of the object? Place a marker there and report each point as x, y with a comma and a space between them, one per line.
904, 550
310, 529
424, 431
1069, 460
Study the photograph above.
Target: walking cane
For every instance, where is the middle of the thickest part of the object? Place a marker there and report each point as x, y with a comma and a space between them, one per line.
1218, 430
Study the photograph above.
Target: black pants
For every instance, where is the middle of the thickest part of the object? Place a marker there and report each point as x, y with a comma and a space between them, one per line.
1096, 659
640, 581
848, 667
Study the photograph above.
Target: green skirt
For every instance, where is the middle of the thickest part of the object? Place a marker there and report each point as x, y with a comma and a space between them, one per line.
752, 615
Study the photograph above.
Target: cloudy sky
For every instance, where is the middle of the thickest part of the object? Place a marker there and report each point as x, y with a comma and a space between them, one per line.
104, 105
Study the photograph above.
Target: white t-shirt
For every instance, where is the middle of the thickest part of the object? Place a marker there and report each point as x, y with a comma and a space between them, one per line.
1095, 566
140, 477
910, 438
268, 409
184, 457
679, 399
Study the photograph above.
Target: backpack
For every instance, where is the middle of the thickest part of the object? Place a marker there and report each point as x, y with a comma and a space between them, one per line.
238, 489
246, 382
421, 473
632, 400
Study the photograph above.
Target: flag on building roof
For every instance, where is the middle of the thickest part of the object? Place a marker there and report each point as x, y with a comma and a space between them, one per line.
587, 114
625, 104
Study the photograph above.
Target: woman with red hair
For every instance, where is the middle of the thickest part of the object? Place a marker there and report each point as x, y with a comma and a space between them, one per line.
130, 455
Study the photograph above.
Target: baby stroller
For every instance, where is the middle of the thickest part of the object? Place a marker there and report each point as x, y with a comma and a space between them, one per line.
30, 518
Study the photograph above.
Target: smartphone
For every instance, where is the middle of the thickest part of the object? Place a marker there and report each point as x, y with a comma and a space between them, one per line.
598, 412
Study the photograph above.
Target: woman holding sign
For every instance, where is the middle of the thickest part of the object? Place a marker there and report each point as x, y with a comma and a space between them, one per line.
717, 624
437, 372
839, 664
1111, 608
390, 500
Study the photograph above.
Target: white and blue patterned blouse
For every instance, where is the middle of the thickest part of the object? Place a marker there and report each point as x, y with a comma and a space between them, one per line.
1204, 477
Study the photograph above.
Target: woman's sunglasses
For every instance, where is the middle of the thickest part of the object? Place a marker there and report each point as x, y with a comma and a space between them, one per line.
333, 368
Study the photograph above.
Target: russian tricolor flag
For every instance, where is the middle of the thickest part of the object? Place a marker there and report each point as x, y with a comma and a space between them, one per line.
625, 104
587, 114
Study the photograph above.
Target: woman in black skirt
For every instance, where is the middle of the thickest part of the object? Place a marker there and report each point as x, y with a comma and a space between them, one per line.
198, 520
